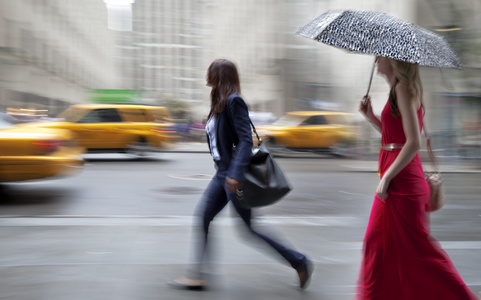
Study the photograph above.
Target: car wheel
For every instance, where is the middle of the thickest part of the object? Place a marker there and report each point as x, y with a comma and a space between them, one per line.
139, 147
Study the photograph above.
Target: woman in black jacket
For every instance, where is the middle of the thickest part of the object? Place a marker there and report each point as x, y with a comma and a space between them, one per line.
228, 125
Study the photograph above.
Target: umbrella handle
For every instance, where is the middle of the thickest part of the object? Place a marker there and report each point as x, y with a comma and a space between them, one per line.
370, 81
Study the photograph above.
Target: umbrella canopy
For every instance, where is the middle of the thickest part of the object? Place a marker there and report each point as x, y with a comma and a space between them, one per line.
381, 34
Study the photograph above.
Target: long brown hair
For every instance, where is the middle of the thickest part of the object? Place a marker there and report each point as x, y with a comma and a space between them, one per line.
223, 77
408, 74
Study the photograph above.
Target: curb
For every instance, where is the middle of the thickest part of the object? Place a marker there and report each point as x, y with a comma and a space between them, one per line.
352, 165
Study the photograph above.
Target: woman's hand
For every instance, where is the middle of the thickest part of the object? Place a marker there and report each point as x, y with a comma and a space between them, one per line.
381, 190
365, 107
232, 184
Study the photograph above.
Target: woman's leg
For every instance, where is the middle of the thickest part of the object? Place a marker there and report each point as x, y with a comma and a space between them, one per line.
294, 258
212, 202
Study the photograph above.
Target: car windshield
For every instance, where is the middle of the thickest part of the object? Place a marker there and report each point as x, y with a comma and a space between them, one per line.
73, 114
337, 119
5, 121
289, 120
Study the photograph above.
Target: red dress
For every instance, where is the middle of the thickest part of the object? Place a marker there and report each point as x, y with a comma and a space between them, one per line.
401, 260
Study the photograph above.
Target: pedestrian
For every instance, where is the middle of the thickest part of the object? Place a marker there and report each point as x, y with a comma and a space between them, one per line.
401, 260
228, 128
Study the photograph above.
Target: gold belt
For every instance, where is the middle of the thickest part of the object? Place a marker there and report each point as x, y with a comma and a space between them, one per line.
390, 147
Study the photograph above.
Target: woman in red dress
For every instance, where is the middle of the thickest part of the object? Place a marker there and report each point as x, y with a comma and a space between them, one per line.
401, 260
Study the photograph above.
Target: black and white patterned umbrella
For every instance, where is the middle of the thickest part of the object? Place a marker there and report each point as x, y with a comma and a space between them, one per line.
381, 34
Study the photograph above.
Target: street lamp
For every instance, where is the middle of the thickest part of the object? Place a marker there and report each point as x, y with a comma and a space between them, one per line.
119, 14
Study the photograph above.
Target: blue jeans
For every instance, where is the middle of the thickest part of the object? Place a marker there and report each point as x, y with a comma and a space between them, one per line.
214, 199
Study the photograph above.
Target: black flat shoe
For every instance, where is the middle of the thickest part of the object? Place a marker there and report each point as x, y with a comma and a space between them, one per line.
187, 284
305, 273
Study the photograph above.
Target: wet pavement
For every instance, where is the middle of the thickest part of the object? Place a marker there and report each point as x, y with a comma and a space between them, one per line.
134, 258
118, 258
124, 238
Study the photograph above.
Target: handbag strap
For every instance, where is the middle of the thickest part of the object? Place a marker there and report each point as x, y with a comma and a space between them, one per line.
259, 141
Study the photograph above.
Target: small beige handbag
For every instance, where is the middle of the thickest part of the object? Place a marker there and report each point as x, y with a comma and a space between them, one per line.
434, 179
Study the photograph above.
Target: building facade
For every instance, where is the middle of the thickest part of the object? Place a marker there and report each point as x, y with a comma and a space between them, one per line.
161, 56
52, 52
173, 42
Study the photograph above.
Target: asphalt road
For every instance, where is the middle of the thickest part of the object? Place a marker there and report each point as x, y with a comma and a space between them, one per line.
121, 228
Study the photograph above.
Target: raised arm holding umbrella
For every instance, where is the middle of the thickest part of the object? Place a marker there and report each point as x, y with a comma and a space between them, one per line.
401, 260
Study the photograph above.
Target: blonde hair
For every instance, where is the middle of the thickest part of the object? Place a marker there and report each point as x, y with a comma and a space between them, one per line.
408, 74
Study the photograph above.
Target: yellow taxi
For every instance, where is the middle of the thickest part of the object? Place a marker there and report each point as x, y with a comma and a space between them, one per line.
36, 153
323, 131
124, 128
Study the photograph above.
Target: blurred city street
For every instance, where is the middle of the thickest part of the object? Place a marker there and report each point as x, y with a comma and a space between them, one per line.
95, 205
122, 228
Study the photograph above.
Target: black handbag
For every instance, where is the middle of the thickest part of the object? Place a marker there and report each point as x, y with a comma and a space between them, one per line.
265, 182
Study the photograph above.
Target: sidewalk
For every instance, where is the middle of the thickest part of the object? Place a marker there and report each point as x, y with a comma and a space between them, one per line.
446, 165
132, 258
